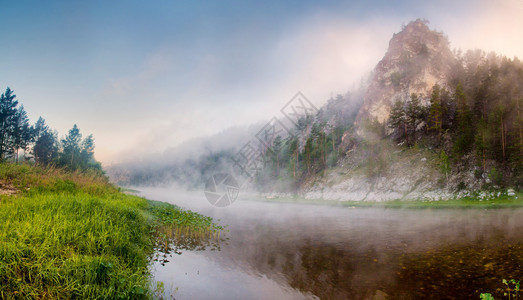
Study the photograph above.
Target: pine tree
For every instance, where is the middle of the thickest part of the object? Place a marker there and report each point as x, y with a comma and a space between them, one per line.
465, 129
518, 130
398, 120
413, 115
308, 154
45, 149
276, 153
39, 127
293, 154
500, 116
71, 148
482, 141
21, 135
435, 118
7, 112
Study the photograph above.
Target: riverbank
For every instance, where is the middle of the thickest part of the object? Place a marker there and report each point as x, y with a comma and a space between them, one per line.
74, 235
474, 200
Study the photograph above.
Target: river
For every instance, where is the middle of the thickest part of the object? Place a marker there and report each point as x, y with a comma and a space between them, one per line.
304, 251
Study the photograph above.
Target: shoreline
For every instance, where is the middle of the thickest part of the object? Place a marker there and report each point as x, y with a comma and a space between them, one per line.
469, 202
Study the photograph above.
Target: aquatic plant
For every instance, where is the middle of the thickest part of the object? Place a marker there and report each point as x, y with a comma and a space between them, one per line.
510, 290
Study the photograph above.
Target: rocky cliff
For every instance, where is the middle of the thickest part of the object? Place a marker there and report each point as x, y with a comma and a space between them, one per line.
375, 169
417, 58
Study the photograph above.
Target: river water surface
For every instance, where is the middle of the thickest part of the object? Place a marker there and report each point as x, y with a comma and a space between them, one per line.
304, 251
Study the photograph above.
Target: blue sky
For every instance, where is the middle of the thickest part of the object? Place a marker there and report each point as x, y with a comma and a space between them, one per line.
146, 75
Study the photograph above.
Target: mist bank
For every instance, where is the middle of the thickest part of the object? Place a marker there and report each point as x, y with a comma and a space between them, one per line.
430, 124
191, 164
305, 248
188, 165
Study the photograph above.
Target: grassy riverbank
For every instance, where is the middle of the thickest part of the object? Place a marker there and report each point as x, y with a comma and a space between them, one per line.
73, 235
501, 201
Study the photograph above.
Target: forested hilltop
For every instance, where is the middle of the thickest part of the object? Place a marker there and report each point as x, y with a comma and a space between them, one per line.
429, 123
20, 141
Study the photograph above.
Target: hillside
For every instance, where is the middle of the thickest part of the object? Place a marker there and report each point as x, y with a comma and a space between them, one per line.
429, 124
434, 125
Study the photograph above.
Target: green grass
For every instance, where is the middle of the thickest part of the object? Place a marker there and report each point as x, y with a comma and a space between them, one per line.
72, 235
502, 201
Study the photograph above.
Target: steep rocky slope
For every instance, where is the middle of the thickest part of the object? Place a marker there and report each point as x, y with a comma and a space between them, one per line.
417, 58
379, 171
375, 168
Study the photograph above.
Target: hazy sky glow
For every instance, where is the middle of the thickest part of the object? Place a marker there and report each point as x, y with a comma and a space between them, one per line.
145, 75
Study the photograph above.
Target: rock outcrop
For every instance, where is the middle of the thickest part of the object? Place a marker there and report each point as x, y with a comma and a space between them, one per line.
417, 58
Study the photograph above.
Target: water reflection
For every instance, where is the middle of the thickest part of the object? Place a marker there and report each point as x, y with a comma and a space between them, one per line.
178, 240
290, 251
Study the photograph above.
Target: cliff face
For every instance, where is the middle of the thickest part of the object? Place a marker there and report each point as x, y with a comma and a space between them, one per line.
417, 58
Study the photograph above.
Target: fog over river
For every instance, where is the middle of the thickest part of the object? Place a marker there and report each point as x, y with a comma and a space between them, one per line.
303, 251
